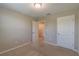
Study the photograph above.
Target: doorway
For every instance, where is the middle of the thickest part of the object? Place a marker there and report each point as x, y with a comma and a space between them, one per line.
38, 33
41, 32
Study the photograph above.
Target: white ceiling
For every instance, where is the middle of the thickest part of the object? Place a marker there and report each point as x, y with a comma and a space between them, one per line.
29, 9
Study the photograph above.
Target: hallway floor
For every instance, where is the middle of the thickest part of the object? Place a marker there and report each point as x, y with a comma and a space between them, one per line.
46, 50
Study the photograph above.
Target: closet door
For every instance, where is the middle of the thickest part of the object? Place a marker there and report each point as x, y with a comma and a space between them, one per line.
65, 31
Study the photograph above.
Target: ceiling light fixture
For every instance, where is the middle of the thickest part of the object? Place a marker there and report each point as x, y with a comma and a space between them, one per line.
37, 5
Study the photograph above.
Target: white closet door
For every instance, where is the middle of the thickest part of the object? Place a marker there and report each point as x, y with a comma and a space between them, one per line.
65, 31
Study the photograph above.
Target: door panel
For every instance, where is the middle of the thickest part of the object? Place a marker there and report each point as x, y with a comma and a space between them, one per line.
65, 31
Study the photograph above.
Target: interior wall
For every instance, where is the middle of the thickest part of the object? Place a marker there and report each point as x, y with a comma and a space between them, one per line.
51, 27
78, 30
15, 29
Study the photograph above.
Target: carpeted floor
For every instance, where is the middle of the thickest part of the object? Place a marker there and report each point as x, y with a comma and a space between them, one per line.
46, 50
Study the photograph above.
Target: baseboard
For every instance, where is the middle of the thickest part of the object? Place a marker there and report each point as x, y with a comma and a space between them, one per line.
75, 50
14, 48
59, 46
78, 52
51, 43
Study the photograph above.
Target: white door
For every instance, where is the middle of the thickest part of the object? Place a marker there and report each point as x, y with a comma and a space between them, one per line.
65, 31
35, 33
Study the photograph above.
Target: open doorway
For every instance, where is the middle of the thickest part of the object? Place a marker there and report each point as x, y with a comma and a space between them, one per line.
41, 31
38, 30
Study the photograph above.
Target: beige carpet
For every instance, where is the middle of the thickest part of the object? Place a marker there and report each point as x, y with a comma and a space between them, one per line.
46, 50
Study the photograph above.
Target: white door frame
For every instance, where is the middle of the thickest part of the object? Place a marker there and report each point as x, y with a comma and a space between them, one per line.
35, 33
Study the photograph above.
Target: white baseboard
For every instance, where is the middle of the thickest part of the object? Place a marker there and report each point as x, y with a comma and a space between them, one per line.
75, 50
51, 43
14, 48
59, 46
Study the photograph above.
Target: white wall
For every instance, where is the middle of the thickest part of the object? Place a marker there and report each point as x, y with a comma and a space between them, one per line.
15, 29
78, 30
51, 29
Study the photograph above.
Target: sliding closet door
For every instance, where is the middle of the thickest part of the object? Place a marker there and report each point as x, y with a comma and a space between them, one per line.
65, 31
